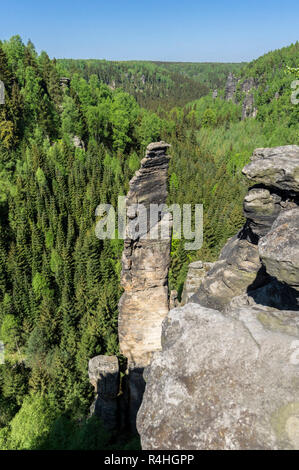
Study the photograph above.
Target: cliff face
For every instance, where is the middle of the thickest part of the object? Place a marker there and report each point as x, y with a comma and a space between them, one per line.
228, 374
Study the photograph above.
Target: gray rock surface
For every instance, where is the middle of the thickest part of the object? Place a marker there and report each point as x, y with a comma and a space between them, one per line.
223, 382
279, 249
145, 263
228, 373
103, 374
233, 274
230, 87
261, 207
276, 167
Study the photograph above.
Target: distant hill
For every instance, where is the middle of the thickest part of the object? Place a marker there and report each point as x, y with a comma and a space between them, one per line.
154, 84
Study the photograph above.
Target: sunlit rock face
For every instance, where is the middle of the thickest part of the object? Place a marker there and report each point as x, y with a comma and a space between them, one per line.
145, 263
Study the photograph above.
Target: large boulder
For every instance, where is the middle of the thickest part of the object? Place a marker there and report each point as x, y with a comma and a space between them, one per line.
276, 167
223, 382
279, 249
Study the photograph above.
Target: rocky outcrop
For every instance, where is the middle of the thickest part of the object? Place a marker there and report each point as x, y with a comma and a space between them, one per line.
279, 249
246, 87
238, 269
64, 82
196, 273
245, 258
223, 382
145, 263
276, 167
228, 374
104, 375
230, 87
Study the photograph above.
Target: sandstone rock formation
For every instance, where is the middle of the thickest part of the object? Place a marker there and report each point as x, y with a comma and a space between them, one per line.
64, 82
242, 262
196, 273
228, 373
233, 274
279, 249
145, 263
230, 87
103, 374
77, 142
276, 167
248, 108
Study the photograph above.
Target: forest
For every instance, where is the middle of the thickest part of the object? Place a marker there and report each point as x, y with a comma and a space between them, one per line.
67, 146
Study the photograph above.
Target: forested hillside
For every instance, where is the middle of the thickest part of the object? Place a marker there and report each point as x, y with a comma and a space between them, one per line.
155, 85
65, 148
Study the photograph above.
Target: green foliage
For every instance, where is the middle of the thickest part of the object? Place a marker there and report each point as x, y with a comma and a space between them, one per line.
9, 332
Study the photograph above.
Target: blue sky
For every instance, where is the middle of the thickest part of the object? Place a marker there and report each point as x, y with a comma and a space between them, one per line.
173, 30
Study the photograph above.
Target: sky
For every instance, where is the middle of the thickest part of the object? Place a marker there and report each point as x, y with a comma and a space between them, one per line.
166, 30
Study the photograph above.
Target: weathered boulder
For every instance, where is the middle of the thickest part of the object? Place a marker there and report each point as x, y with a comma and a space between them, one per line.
276, 167
238, 269
223, 382
279, 249
261, 207
230, 87
104, 375
196, 273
